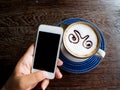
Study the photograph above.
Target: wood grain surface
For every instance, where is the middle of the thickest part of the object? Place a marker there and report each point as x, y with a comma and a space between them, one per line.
19, 20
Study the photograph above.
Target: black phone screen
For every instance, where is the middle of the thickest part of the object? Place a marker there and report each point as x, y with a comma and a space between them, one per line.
46, 51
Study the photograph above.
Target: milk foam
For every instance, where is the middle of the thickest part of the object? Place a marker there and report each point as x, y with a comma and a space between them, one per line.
80, 40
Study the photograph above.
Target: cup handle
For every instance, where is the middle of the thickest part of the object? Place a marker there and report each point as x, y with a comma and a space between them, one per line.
100, 53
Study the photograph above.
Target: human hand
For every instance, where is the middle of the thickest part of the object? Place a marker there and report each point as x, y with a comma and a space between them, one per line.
23, 79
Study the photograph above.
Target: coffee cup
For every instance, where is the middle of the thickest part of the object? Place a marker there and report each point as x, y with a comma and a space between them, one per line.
81, 40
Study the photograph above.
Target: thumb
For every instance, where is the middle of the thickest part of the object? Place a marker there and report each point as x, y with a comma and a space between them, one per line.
31, 80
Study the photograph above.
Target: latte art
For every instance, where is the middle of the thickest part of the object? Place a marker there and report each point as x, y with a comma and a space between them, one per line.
76, 38
80, 39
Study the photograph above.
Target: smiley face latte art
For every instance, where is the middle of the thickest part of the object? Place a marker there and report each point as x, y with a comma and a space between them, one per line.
80, 40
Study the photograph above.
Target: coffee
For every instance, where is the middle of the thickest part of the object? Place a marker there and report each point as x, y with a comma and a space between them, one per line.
81, 39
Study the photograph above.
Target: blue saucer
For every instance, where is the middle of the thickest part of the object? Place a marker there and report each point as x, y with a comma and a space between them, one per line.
87, 65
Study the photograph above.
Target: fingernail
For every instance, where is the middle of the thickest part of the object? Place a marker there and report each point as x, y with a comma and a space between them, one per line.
44, 87
44, 84
60, 76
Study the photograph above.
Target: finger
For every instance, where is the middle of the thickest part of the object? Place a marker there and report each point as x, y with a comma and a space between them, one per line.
37, 76
31, 80
30, 50
45, 84
60, 62
26, 60
58, 74
28, 54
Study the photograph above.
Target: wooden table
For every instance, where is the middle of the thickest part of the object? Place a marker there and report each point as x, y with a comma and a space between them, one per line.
19, 20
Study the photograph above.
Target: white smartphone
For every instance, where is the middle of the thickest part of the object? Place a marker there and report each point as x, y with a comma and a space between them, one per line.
47, 49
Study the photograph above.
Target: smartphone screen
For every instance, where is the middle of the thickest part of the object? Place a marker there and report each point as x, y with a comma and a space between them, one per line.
46, 51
